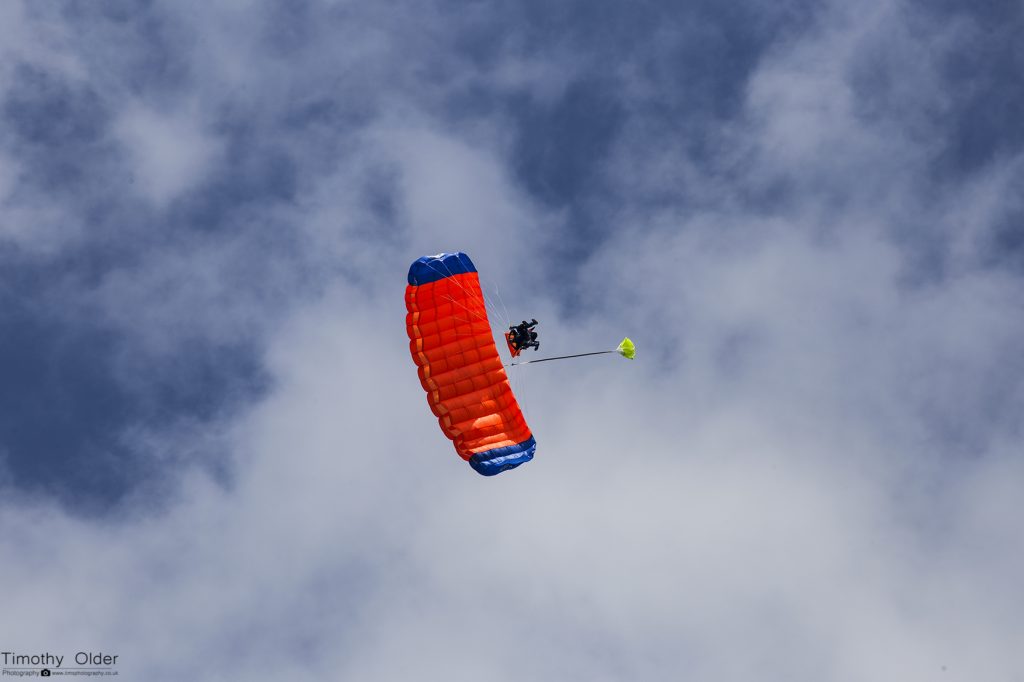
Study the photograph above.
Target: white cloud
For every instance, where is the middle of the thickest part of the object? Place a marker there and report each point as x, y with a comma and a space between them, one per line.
30, 35
30, 223
171, 151
456, 194
766, 493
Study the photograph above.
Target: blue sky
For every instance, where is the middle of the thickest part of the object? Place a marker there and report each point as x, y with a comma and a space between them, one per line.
215, 458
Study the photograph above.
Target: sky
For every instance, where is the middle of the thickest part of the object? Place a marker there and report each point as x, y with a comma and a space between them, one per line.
216, 461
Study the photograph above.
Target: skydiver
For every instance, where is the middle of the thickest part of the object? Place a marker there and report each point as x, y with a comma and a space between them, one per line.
523, 336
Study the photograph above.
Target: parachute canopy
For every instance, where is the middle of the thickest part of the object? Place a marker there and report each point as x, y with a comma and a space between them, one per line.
459, 367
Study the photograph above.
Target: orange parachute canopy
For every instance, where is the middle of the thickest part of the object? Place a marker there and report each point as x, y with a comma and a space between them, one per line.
459, 366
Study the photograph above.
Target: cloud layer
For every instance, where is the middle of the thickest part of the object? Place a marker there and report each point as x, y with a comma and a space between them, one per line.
216, 459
